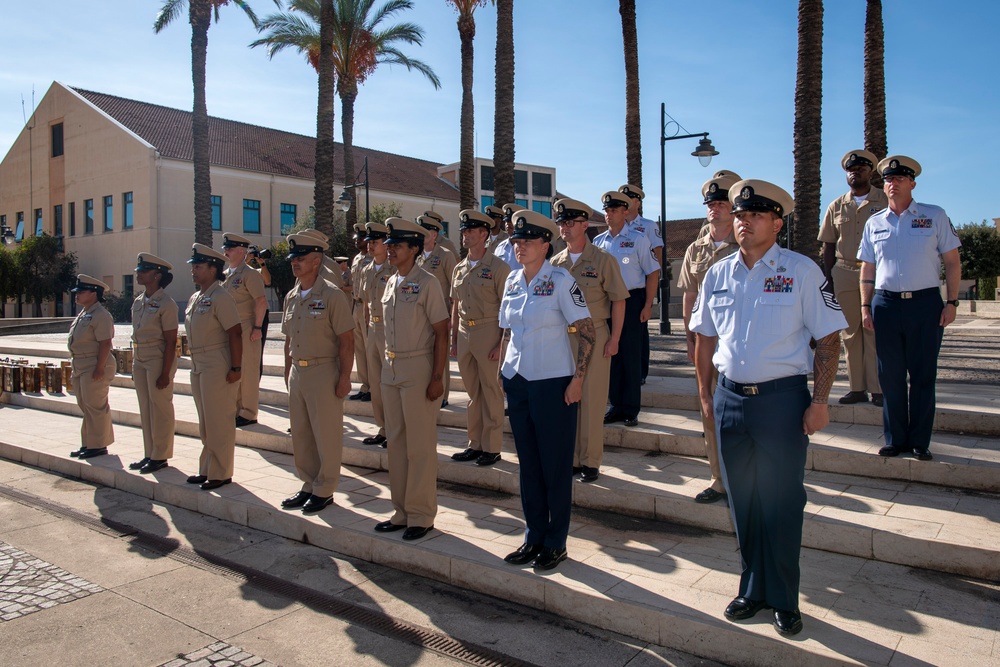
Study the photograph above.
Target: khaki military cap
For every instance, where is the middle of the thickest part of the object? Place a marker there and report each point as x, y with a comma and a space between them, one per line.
731, 174
359, 230
632, 192
899, 165
302, 244
230, 240
85, 283
717, 187
493, 211
510, 209
316, 234
428, 222
148, 261
471, 219
858, 156
754, 195
533, 225
376, 231
401, 229
435, 215
612, 199
202, 254
341, 258
567, 209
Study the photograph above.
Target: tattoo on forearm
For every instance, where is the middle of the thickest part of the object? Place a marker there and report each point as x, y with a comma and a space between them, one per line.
588, 336
825, 366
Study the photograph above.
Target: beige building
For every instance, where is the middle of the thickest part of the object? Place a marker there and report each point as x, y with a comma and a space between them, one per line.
534, 186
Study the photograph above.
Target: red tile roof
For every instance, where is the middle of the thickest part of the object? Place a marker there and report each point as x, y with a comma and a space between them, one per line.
262, 149
680, 234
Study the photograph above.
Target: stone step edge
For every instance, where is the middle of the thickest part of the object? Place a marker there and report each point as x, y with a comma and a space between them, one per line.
817, 532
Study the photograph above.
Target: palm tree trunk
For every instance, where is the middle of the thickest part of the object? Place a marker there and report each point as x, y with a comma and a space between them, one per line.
503, 122
323, 192
633, 135
807, 145
200, 12
466, 153
875, 133
348, 90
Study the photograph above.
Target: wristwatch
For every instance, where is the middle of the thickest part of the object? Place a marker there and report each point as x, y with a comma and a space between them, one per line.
953, 302
236, 369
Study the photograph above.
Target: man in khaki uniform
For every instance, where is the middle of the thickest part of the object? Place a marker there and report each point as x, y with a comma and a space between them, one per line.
600, 279
416, 352
215, 337
90, 340
440, 262
497, 232
840, 233
477, 289
319, 350
374, 278
442, 238
246, 287
360, 263
330, 271
715, 241
154, 337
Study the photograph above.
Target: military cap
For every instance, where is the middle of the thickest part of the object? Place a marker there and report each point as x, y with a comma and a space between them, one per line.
533, 225
471, 219
230, 240
567, 209
302, 244
435, 215
316, 234
430, 222
375, 231
510, 209
341, 258
613, 199
899, 165
753, 195
148, 261
401, 230
731, 174
632, 192
359, 230
858, 156
202, 254
717, 187
85, 283
493, 211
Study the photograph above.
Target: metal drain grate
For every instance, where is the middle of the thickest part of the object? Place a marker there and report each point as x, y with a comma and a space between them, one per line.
331, 605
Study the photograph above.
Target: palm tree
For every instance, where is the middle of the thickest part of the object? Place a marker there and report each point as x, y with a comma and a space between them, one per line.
359, 47
633, 136
503, 115
875, 134
200, 14
466, 151
807, 146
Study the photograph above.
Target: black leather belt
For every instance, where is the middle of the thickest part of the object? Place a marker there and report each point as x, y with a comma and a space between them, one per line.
908, 295
762, 388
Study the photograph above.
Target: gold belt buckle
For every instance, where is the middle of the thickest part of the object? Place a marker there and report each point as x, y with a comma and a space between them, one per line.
750, 390
858, 264
390, 355
570, 329
906, 295
470, 323
376, 318
302, 362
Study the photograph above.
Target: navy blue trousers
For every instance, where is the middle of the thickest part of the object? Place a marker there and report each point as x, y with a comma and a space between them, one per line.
625, 387
907, 342
545, 436
763, 455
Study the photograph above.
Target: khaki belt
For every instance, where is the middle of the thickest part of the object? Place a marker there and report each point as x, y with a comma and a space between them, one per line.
848, 264
389, 354
480, 322
312, 362
209, 348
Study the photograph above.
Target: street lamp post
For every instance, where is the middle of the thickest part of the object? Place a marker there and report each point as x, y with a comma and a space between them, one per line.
346, 199
704, 153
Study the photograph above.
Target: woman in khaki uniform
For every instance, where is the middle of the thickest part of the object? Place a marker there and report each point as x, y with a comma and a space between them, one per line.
376, 276
416, 350
154, 337
216, 340
246, 287
90, 339
477, 289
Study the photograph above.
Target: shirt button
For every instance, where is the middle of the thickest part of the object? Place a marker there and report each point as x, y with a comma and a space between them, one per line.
743, 363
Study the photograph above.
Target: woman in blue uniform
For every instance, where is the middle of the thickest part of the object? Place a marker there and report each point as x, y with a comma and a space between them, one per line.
544, 383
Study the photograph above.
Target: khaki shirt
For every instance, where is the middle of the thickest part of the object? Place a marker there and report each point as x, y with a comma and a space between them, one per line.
449, 244
440, 264
209, 315
494, 241
700, 256
598, 275
150, 318
479, 288
90, 328
358, 265
412, 304
313, 324
374, 286
331, 272
245, 285
844, 223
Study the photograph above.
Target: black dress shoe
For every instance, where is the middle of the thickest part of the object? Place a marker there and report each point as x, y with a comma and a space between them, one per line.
469, 454
367, 398
374, 440
138, 464
740, 609
631, 421
316, 503
852, 397
922, 455
577, 470
612, 416
588, 474
709, 495
243, 421
487, 459
152, 465
877, 400
357, 396
76, 452
91, 453
388, 527
548, 558
215, 483
197, 479
787, 623
444, 403
889, 450
416, 532
524, 554
296, 501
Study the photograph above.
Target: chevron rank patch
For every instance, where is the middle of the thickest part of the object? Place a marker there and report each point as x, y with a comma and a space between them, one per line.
828, 298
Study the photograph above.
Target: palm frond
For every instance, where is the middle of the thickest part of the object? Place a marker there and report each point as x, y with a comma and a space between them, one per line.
391, 56
170, 10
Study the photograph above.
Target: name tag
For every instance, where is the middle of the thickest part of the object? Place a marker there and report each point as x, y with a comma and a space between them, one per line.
511, 289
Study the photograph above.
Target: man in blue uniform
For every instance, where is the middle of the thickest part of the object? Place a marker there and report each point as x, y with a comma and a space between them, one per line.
634, 219
755, 315
901, 253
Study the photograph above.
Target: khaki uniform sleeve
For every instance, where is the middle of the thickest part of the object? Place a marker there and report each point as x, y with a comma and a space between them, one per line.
686, 282
254, 283
828, 231
434, 306
340, 313
168, 315
103, 325
225, 310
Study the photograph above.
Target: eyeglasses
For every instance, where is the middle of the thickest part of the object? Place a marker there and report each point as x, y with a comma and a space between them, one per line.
569, 223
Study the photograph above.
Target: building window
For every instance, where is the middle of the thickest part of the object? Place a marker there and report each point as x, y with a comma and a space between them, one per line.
486, 177
57, 140
3, 220
520, 181
19, 233
522, 203
127, 220
288, 212
72, 218
541, 184
543, 207
251, 216
485, 201
57, 220
38, 222
88, 216
216, 213
127, 286
109, 214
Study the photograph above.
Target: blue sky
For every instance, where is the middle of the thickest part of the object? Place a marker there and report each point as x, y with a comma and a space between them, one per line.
727, 68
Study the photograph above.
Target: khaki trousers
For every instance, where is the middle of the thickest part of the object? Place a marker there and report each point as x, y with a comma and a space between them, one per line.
92, 397
156, 407
479, 374
216, 402
711, 441
376, 357
361, 345
859, 343
589, 449
249, 392
446, 380
317, 418
411, 425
